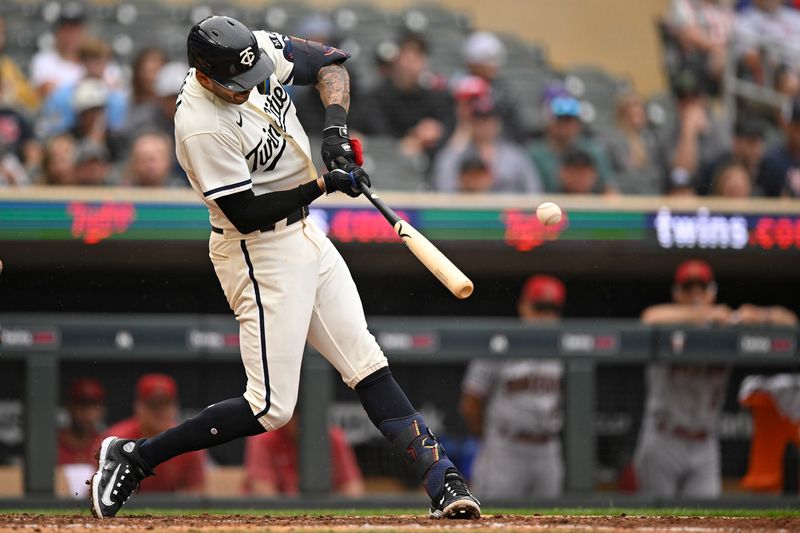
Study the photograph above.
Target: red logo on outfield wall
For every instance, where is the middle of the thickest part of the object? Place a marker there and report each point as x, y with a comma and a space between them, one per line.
524, 232
95, 223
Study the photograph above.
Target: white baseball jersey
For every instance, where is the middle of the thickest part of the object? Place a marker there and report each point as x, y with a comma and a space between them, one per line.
522, 395
227, 148
286, 285
520, 454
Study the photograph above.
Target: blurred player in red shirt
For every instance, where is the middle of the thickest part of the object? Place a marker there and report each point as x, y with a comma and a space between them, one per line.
86, 409
156, 410
272, 468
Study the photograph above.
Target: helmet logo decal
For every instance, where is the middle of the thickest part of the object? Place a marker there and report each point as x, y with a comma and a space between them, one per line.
247, 56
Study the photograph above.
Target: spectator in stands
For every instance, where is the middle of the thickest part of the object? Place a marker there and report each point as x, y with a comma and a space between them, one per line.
92, 164
90, 101
767, 34
697, 137
51, 69
58, 167
474, 175
20, 151
515, 408
411, 103
159, 114
150, 162
58, 113
747, 150
780, 170
677, 454
634, 149
272, 466
564, 130
484, 56
86, 409
155, 411
703, 29
511, 170
732, 181
146, 65
577, 173
15, 90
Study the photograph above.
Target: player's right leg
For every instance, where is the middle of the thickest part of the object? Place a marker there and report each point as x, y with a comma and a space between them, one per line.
339, 331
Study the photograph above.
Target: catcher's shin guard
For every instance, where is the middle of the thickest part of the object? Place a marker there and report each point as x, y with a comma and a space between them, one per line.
413, 439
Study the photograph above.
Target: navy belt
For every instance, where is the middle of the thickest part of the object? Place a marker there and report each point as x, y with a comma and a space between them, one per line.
294, 216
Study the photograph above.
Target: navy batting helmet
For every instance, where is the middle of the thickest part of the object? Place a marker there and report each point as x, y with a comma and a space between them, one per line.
226, 51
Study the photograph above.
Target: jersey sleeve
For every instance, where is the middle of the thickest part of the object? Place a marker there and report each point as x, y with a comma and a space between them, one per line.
275, 45
216, 164
479, 377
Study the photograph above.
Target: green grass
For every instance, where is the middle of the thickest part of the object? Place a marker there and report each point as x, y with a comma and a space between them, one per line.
604, 511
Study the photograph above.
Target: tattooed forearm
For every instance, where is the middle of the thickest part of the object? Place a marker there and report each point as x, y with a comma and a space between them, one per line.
333, 84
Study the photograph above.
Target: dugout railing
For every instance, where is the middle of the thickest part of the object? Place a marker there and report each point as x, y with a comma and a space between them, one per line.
35, 346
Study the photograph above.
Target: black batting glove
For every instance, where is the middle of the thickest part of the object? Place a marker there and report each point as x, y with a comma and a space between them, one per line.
336, 139
346, 182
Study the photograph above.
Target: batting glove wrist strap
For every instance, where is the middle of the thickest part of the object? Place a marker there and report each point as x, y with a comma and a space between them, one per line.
336, 139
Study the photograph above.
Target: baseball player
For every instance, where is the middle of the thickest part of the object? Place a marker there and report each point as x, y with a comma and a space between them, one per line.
515, 407
677, 453
246, 155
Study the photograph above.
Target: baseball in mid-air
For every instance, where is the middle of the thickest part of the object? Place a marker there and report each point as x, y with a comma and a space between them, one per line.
548, 213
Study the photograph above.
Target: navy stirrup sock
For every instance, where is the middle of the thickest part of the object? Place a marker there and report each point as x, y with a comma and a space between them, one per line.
389, 409
216, 424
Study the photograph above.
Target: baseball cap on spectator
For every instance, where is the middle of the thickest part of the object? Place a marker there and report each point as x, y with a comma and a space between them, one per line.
544, 289
694, 270
471, 87
689, 82
89, 94
169, 79
564, 106
577, 157
156, 388
472, 162
86, 390
483, 48
750, 128
317, 27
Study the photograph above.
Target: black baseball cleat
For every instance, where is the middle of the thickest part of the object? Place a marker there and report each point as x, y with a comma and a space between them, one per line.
455, 502
120, 468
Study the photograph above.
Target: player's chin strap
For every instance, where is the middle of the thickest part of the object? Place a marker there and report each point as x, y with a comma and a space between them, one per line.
413, 439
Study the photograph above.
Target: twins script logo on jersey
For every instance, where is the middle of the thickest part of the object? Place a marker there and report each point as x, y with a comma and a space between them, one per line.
247, 56
268, 151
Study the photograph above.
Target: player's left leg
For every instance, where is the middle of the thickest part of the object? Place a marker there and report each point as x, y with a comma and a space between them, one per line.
339, 331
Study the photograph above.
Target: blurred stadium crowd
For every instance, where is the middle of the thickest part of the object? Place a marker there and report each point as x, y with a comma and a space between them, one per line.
87, 94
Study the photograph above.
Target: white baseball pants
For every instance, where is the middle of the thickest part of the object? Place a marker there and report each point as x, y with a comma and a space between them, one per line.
286, 286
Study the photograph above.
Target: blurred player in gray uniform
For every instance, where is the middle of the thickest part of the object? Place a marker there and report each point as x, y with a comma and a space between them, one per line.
246, 155
677, 453
515, 406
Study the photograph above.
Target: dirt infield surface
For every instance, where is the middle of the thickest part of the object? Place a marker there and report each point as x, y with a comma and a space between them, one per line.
405, 523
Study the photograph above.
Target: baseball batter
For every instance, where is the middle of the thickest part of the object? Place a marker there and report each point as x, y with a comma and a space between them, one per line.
515, 406
239, 140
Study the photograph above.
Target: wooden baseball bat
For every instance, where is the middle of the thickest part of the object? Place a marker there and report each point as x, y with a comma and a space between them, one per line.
430, 256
